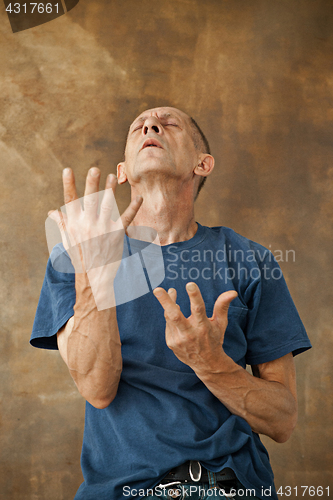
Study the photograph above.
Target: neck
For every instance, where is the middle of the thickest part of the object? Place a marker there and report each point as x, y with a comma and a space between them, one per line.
170, 211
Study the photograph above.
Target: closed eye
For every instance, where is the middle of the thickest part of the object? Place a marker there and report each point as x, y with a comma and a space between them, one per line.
139, 127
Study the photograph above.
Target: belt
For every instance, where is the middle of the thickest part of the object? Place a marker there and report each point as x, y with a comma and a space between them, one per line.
193, 471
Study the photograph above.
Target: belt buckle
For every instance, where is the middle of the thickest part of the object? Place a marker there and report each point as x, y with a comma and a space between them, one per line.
195, 470
228, 495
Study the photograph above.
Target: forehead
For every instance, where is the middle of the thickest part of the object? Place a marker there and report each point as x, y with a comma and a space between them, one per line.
163, 113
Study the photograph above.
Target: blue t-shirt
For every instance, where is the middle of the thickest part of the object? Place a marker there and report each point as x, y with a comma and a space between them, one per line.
163, 415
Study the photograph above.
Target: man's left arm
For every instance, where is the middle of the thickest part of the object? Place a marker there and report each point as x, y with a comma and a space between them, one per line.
266, 400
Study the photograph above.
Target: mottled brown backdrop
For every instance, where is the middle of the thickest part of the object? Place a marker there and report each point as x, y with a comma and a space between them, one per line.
258, 76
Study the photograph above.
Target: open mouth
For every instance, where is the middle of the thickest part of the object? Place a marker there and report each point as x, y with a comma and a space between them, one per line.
151, 143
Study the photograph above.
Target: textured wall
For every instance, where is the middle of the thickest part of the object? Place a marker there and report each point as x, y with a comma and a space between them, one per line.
258, 77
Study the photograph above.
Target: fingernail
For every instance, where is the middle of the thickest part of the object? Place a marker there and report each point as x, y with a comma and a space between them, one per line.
66, 171
94, 172
157, 293
111, 177
191, 287
139, 198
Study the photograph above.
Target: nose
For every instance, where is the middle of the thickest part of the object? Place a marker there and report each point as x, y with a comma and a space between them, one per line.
152, 124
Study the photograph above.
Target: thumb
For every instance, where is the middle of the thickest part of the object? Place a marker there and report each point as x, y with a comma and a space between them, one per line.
221, 306
60, 219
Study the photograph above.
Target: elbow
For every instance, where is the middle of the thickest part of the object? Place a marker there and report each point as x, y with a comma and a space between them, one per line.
284, 432
102, 403
282, 437
100, 399
99, 393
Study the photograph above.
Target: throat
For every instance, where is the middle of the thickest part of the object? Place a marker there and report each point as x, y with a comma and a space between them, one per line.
172, 222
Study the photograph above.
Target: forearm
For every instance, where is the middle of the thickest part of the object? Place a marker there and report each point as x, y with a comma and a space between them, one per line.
94, 347
268, 406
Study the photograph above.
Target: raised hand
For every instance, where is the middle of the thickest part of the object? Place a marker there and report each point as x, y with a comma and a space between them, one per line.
94, 239
197, 340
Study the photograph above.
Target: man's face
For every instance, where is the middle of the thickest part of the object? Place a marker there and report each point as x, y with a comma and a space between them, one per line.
160, 141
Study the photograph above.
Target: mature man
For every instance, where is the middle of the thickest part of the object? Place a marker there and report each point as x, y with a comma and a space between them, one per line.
169, 401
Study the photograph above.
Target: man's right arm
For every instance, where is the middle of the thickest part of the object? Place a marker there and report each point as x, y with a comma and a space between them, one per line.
90, 343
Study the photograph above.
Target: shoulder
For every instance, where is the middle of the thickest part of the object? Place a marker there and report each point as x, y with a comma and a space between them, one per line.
56, 300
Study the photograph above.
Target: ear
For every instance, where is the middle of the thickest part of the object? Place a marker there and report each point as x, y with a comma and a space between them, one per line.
121, 174
205, 165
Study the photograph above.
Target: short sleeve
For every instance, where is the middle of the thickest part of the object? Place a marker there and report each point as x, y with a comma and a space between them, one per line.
274, 327
56, 302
